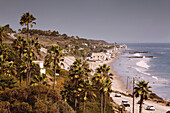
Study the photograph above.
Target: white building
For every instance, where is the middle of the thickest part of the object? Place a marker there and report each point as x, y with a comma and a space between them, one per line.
99, 56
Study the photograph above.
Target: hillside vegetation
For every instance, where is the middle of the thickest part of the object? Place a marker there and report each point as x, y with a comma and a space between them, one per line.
24, 89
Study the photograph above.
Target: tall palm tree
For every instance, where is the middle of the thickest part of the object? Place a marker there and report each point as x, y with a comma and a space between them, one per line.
143, 91
106, 89
79, 75
31, 52
53, 59
19, 45
27, 19
88, 90
104, 77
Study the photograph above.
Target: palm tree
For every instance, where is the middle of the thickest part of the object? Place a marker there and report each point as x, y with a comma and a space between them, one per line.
4, 55
19, 45
104, 77
88, 90
53, 59
27, 19
79, 75
39, 79
98, 83
107, 89
31, 52
143, 91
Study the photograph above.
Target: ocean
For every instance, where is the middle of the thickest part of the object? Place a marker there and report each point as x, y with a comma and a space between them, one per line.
154, 70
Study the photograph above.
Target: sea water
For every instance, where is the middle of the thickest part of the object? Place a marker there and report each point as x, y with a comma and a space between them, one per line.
154, 70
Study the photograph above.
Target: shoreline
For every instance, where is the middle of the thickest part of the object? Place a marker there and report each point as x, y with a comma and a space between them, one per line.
117, 84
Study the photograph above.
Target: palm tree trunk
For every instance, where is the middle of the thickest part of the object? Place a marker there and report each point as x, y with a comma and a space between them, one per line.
101, 109
19, 69
105, 103
141, 102
76, 98
27, 78
27, 31
27, 82
20, 78
54, 72
84, 104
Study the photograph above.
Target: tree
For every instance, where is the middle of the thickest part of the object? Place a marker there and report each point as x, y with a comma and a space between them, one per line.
27, 19
142, 90
7, 82
19, 30
53, 59
88, 90
103, 79
39, 79
31, 52
78, 77
4, 55
2, 34
19, 45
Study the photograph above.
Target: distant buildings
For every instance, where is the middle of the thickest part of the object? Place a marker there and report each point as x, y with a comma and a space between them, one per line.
122, 46
110, 53
98, 56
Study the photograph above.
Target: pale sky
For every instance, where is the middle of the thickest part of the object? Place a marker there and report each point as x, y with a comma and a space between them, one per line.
119, 21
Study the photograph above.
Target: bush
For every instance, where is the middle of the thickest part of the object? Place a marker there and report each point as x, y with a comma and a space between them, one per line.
64, 107
21, 107
7, 82
36, 99
4, 107
40, 107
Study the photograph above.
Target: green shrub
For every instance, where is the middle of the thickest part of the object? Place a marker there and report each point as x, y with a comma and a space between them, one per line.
21, 107
34, 99
40, 107
64, 107
7, 82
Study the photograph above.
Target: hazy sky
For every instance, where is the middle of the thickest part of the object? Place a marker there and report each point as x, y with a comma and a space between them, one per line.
110, 20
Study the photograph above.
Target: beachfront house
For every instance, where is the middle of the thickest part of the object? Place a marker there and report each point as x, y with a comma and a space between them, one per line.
41, 64
98, 56
111, 52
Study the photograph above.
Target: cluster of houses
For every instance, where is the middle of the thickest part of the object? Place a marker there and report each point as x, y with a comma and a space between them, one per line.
102, 56
108, 55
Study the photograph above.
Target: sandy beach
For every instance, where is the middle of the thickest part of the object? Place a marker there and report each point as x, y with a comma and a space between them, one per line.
118, 85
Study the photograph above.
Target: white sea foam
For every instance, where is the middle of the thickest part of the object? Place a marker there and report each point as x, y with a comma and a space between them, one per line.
139, 70
143, 63
155, 77
137, 54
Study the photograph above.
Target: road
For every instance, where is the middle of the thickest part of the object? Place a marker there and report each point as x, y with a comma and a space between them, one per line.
158, 107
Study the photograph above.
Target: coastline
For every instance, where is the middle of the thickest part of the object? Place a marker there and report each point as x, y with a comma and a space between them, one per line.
117, 83
119, 86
